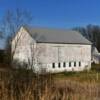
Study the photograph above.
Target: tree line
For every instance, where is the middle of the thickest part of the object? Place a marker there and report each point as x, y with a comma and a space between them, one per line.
92, 33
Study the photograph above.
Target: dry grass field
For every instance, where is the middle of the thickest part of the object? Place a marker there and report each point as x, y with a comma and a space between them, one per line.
24, 85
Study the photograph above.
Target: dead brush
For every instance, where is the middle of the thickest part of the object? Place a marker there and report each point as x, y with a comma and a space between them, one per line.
26, 86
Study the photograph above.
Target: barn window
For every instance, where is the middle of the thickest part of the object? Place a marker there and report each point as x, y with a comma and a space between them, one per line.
53, 65
74, 64
64, 64
59, 65
69, 64
79, 64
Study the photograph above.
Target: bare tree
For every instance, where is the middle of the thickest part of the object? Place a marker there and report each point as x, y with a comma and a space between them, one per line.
92, 33
11, 22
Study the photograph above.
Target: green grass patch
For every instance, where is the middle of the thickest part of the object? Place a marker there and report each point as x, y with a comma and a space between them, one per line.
83, 76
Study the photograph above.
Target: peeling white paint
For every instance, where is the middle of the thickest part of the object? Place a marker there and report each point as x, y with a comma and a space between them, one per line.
48, 53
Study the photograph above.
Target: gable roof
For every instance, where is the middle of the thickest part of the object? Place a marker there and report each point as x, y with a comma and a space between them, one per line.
45, 35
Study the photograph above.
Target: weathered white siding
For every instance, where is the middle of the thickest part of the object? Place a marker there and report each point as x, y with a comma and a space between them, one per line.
65, 53
96, 58
21, 45
46, 54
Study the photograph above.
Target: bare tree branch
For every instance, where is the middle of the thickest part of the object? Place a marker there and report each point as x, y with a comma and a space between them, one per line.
11, 22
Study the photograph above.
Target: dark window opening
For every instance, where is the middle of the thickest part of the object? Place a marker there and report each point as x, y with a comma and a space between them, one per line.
59, 65
79, 64
64, 64
74, 64
53, 65
69, 64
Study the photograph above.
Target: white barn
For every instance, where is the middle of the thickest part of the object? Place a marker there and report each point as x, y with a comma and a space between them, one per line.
54, 50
